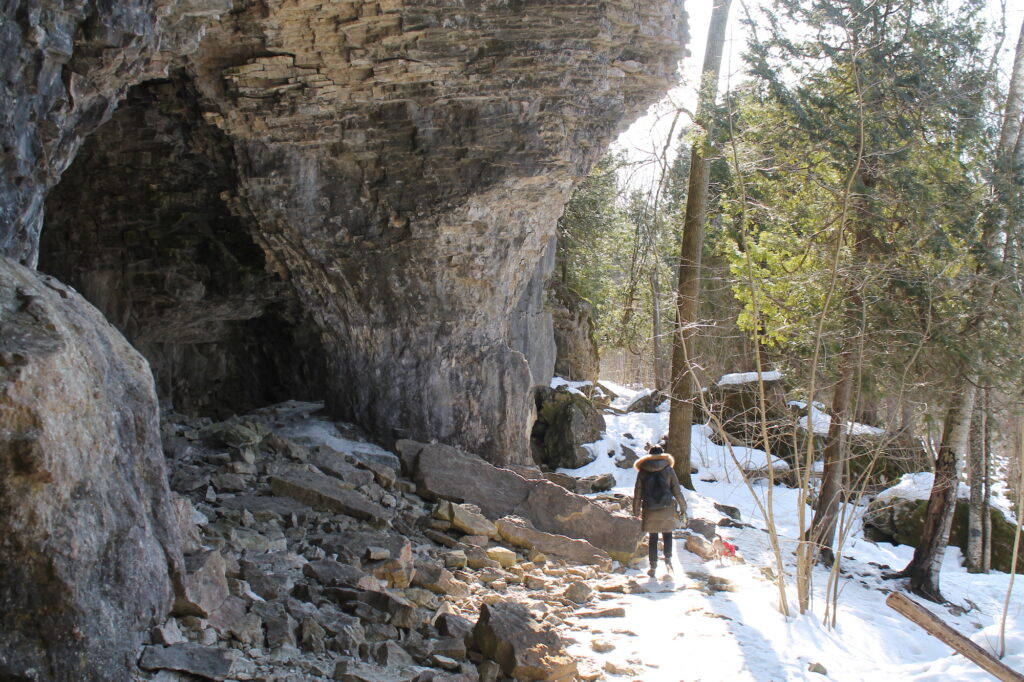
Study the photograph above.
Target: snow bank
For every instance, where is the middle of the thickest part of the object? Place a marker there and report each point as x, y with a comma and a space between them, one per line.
675, 629
821, 420
917, 486
747, 377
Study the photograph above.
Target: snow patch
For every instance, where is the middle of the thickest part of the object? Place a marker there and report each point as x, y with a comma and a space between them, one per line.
748, 377
673, 630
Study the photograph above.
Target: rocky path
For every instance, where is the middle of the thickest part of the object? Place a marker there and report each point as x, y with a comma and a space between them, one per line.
311, 555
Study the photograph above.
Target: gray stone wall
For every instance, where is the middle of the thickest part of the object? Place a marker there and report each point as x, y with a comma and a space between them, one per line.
401, 166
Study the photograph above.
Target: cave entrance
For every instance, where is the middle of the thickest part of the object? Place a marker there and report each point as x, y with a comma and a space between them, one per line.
147, 226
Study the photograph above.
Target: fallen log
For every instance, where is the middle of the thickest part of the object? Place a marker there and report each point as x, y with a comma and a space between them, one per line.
934, 626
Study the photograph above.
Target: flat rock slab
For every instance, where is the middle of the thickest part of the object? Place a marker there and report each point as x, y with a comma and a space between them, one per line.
335, 574
613, 612
446, 473
358, 671
337, 465
282, 506
206, 662
326, 494
519, 532
553, 509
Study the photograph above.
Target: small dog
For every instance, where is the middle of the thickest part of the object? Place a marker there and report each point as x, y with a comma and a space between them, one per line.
725, 551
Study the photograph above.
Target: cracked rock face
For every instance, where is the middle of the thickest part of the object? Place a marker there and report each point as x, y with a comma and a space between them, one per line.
88, 541
65, 66
401, 166
346, 200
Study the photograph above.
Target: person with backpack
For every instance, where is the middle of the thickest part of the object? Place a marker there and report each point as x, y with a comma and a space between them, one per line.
656, 497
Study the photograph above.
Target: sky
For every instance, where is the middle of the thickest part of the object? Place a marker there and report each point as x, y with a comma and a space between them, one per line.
645, 139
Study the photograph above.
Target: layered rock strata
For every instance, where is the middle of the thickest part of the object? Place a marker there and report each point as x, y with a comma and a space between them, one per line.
65, 66
369, 193
401, 166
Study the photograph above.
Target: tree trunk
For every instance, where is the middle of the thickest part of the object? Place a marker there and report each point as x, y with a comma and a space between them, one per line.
923, 569
907, 418
823, 527
660, 366
964, 646
1013, 112
684, 387
977, 509
986, 520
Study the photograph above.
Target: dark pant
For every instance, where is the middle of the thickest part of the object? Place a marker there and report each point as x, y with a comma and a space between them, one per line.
652, 547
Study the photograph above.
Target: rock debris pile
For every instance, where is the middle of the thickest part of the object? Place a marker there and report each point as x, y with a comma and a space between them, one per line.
312, 554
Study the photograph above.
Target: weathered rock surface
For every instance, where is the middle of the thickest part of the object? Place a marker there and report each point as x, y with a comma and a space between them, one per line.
88, 535
465, 518
524, 648
565, 422
206, 662
65, 66
521, 533
346, 190
443, 472
326, 494
573, 319
204, 586
531, 330
551, 508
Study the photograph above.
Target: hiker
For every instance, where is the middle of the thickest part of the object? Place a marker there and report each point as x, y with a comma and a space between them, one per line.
657, 495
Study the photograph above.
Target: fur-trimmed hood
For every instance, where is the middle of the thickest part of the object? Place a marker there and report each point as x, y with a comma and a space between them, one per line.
654, 462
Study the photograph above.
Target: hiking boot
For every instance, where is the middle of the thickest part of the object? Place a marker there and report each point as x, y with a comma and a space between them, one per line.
650, 571
668, 565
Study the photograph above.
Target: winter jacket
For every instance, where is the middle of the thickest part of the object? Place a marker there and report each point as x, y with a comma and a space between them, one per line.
657, 518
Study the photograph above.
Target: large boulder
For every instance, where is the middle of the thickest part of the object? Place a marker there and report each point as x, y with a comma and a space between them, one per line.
897, 515
734, 402
524, 648
521, 533
878, 459
88, 539
443, 472
446, 473
553, 509
566, 420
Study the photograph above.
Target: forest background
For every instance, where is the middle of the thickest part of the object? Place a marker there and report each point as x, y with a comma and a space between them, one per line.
861, 234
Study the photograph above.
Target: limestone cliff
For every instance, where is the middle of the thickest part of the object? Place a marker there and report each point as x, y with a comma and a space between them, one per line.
400, 166
286, 198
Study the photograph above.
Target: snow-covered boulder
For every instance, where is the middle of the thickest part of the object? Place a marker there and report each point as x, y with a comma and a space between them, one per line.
896, 515
734, 402
647, 401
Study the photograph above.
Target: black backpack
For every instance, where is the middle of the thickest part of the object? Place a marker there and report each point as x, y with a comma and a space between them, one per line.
656, 488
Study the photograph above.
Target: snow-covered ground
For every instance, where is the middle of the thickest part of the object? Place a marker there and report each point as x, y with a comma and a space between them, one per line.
675, 631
